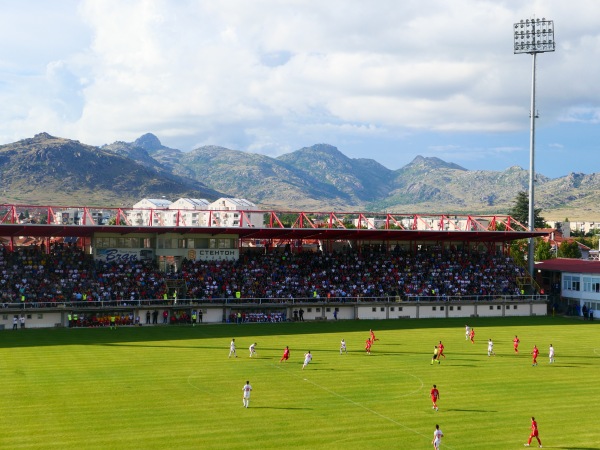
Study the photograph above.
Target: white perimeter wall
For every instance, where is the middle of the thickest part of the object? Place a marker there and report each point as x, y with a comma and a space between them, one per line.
216, 313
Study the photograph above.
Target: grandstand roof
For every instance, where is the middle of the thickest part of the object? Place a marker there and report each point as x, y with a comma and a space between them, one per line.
569, 265
37, 230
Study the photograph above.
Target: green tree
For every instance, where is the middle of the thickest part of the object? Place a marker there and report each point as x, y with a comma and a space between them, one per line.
500, 227
520, 211
591, 242
543, 250
569, 249
518, 251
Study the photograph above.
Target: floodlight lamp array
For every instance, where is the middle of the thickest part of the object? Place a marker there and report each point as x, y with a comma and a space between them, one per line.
534, 36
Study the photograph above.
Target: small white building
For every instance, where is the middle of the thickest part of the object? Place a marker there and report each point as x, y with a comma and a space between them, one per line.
189, 212
369, 223
149, 212
579, 281
235, 212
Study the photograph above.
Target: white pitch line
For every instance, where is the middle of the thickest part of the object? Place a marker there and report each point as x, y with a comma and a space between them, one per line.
359, 405
194, 375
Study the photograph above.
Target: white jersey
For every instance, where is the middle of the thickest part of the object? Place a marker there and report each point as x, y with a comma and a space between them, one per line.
307, 358
467, 330
246, 390
437, 436
232, 349
551, 352
490, 346
343, 345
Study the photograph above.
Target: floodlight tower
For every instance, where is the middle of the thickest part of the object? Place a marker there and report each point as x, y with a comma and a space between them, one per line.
533, 36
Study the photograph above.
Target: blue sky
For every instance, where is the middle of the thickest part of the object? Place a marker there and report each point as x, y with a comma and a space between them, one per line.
387, 80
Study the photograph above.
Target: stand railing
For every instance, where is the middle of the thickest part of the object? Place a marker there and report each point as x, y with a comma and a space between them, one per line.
183, 302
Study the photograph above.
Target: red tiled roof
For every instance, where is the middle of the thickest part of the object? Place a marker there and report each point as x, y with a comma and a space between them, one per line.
569, 265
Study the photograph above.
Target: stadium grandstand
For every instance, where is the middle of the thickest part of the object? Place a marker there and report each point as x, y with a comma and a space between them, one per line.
83, 266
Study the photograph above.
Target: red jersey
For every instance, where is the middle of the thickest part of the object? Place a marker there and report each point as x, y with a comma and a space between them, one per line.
535, 353
286, 353
435, 394
368, 344
441, 348
516, 342
534, 428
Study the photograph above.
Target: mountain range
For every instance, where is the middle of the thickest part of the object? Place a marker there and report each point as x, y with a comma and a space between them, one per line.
47, 170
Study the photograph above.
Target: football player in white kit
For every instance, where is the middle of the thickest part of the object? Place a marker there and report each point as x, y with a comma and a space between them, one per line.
246, 390
437, 437
551, 354
467, 332
232, 348
252, 349
307, 359
491, 348
343, 347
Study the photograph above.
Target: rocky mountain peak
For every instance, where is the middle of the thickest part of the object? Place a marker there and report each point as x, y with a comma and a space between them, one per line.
424, 162
148, 142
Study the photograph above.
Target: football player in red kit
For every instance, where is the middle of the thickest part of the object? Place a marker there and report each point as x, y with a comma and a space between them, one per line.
368, 346
534, 433
373, 338
435, 395
516, 342
286, 354
535, 352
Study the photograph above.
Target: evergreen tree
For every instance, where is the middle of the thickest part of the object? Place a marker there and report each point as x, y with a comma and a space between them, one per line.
518, 250
569, 249
520, 211
543, 250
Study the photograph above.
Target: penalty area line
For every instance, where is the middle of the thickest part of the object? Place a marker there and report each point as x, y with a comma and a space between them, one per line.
357, 404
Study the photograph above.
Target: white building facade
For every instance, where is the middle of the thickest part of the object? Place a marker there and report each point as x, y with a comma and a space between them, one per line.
149, 212
583, 287
193, 212
189, 212
235, 212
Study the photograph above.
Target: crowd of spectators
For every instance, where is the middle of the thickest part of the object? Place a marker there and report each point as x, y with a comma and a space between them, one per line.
66, 274
430, 273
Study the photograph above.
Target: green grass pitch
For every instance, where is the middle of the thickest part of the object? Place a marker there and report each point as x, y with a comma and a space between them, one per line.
175, 387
